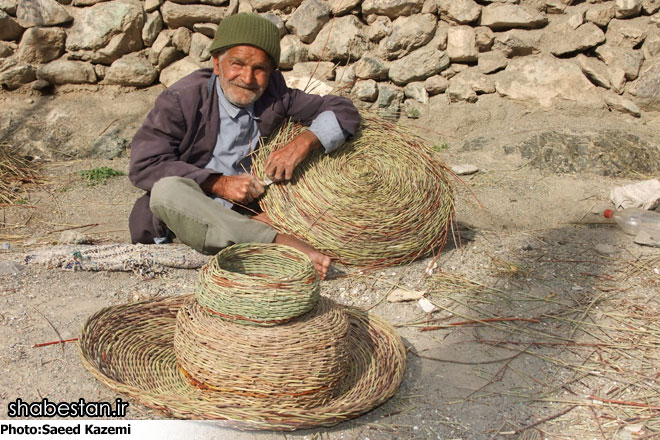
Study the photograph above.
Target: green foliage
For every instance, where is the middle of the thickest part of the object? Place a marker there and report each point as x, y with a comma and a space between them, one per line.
97, 176
438, 148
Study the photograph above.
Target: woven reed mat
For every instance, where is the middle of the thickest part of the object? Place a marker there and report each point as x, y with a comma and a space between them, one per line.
139, 258
258, 284
382, 198
130, 348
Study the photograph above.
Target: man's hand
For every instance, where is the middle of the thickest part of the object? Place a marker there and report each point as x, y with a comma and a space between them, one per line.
243, 188
281, 163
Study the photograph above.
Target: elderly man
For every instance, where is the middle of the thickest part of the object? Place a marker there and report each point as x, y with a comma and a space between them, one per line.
192, 154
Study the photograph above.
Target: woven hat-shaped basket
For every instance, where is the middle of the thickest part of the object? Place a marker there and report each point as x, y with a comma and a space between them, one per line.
260, 284
325, 366
297, 364
382, 198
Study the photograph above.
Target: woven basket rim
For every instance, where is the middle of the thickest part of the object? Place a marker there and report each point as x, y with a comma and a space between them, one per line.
389, 360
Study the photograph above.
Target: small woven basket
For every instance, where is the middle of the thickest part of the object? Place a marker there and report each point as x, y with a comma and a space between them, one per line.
298, 364
258, 284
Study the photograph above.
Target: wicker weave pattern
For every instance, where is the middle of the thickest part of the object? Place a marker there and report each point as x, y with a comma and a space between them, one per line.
260, 284
382, 198
130, 348
297, 364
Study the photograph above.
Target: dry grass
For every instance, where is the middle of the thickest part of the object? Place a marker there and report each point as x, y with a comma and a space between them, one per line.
15, 170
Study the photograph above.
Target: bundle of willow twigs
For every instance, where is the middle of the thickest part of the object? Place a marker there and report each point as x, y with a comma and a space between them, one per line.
14, 170
382, 198
259, 284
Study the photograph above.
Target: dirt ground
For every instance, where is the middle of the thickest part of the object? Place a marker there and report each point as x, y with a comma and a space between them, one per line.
576, 357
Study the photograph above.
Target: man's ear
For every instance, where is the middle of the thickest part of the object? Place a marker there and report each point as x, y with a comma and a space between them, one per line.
216, 64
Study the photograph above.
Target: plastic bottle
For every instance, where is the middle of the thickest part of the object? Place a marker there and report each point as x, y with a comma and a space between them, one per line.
635, 220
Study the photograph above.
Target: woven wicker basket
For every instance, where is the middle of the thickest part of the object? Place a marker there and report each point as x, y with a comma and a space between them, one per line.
297, 364
259, 284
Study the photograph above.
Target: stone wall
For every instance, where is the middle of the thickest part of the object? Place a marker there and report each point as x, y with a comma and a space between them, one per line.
390, 55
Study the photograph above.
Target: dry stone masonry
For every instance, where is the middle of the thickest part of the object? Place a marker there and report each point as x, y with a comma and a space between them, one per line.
388, 55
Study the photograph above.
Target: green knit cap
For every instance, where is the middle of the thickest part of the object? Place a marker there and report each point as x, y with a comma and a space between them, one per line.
252, 29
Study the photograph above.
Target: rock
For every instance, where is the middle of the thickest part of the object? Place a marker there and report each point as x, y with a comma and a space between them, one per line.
479, 82
651, 48
628, 8
9, 6
491, 62
175, 15
370, 67
365, 90
177, 70
345, 77
462, 45
182, 39
95, 26
464, 169
416, 91
245, 6
348, 40
292, 52
17, 75
484, 38
308, 19
131, 70
408, 33
307, 83
627, 59
460, 91
380, 28
7, 48
9, 28
73, 237
439, 41
402, 295
601, 14
30, 13
41, 45
412, 109
67, 72
617, 79
501, 16
167, 56
621, 104
436, 84
595, 70
100, 71
323, 70
459, 11
516, 43
152, 5
389, 100
418, 65
199, 47
267, 5
343, 6
555, 7
207, 29
276, 20
10, 268
163, 40
626, 33
575, 20
647, 88
650, 7
545, 79
152, 27
109, 146
392, 8
426, 305
585, 37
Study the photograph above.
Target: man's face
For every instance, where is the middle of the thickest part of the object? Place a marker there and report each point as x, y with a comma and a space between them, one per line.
243, 72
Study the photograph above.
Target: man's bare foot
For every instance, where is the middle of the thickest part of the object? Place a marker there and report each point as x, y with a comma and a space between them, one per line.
321, 261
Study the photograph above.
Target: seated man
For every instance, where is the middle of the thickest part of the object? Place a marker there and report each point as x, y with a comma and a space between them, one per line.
192, 154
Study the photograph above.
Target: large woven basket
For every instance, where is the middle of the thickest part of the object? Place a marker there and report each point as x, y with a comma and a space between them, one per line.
260, 284
130, 348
